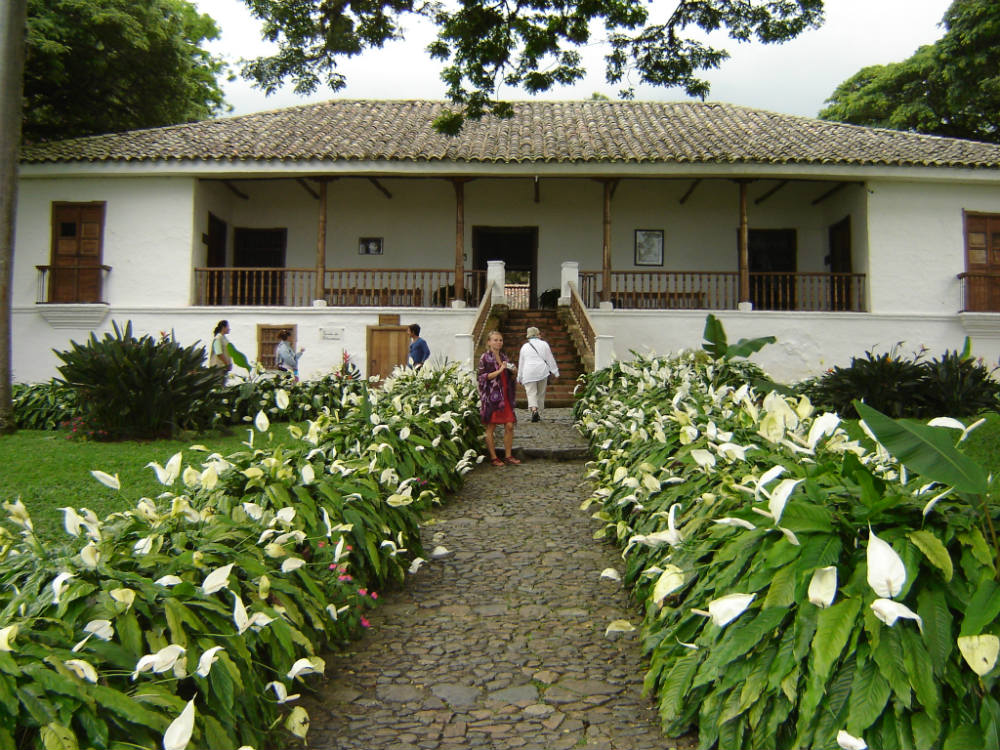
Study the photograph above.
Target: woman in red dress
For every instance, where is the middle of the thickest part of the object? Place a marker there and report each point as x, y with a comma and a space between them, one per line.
497, 384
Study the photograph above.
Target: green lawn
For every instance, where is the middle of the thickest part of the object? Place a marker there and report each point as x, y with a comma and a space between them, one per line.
49, 472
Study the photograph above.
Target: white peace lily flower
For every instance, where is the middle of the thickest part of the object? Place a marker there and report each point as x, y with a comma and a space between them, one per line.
776, 404
90, 555
298, 722
850, 742
296, 535
439, 552
650, 482
404, 433
307, 665
824, 424
191, 478
240, 616
631, 482
398, 501
733, 452
338, 551
671, 579
253, 472
18, 514
164, 659
889, 611
823, 586
611, 574
282, 692
208, 658
726, 608
147, 510
980, 652
261, 422
106, 479
415, 565
281, 398
292, 563
100, 629
167, 475
735, 522
144, 546
779, 497
804, 408
178, 734
82, 669
181, 506
286, 515
619, 626
123, 596
168, 581
328, 523
7, 636
308, 474
620, 473
886, 572
217, 580
703, 458
253, 510
72, 521
934, 500
772, 427
687, 434
209, 478
389, 477
436, 441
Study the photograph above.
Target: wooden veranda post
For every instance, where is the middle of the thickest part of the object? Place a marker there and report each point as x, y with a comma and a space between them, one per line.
744, 259
609, 189
320, 291
459, 238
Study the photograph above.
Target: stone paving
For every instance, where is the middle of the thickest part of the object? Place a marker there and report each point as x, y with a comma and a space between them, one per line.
499, 644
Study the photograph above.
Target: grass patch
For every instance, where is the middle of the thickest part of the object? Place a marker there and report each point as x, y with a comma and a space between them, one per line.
47, 471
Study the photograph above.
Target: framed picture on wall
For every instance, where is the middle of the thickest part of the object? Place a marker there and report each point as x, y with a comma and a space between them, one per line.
370, 246
649, 247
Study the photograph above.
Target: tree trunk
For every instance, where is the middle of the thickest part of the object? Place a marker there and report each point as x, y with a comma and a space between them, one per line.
12, 20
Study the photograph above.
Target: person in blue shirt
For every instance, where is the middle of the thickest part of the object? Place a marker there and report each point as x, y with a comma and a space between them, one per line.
419, 351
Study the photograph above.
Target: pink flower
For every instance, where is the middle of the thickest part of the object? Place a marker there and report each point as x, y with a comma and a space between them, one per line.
374, 595
332, 566
344, 578
365, 623
363, 592
322, 544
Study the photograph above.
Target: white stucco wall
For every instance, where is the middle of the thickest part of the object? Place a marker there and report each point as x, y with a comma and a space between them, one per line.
916, 232
147, 235
807, 343
35, 338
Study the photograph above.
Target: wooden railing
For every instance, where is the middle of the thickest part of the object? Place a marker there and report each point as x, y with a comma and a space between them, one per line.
349, 287
980, 291
482, 317
71, 284
719, 290
582, 320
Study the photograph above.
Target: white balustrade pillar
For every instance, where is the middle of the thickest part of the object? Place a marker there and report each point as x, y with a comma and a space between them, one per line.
570, 275
604, 350
496, 280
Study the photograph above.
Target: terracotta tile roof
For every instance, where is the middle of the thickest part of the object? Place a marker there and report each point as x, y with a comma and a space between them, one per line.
582, 132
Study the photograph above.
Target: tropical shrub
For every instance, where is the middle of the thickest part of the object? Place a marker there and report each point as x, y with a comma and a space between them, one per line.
955, 385
142, 388
43, 406
799, 589
190, 621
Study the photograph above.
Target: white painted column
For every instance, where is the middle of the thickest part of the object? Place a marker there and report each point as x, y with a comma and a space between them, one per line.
570, 275
496, 280
604, 350
462, 349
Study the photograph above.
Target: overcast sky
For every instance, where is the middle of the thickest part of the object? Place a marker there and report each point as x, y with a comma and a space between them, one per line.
793, 78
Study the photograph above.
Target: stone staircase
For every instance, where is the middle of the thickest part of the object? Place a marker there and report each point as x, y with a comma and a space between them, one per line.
513, 327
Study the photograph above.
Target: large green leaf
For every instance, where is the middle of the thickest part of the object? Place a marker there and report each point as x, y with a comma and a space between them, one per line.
934, 550
982, 609
715, 337
869, 693
932, 606
929, 451
833, 629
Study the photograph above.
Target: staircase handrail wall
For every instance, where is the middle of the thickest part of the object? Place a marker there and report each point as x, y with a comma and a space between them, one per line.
482, 316
580, 317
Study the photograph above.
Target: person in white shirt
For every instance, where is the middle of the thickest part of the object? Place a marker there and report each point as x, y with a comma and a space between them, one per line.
534, 366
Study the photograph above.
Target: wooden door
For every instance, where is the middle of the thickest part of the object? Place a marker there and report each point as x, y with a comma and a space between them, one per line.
388, 346
841, 292
772, 256
216, 258
261, 249
982, 262
77, 237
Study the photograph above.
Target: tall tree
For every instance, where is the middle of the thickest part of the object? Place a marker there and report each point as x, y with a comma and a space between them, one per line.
949, 88
12, 13
98, 66
530, 44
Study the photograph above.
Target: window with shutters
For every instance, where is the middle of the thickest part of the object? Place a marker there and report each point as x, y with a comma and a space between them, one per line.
982, 262
76, 270
267, 342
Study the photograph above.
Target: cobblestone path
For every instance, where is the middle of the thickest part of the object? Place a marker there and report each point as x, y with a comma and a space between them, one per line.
501, 643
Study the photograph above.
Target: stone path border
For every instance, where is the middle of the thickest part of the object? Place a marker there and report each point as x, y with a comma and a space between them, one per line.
501, 643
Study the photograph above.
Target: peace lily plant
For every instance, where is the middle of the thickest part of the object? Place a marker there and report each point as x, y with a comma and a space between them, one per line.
800, 588
194, 620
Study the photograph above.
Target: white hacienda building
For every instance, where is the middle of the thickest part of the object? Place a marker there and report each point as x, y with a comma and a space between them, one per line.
343, 220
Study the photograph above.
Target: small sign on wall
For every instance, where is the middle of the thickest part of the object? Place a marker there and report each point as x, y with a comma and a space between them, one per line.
332, 333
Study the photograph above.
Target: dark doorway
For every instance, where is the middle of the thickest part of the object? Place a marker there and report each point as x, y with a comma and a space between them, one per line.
841, 292
517, 247
773, 261
258, 250
216, 258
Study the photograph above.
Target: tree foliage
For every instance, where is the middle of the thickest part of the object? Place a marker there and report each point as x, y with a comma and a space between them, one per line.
949, 88
98, 66
532, 45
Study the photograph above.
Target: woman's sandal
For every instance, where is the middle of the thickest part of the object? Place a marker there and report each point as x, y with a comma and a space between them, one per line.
511, 460
497, 462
